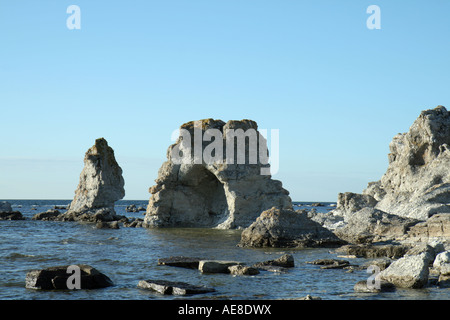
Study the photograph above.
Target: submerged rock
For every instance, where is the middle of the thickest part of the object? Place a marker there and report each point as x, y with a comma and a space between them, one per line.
287, 228
383, 286
101, 185
216, 266
171, 287
180, 261
215, 189
56, 278
285, 261
6, 212
51, 214
13, 215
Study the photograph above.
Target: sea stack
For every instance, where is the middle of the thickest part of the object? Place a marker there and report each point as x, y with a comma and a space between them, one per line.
206, 187
101, 185
416, 184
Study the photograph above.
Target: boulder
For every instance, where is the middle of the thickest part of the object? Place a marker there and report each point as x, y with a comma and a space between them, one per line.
408, 272
210, 187
11, 215
101, 185
172, 287
216, 266
241, 270
56, 278
442, 259
287, 228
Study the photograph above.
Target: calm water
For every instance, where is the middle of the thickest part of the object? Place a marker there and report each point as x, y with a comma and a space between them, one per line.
128, 255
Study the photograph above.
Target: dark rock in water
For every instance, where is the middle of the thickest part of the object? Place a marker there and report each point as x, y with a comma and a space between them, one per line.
180, 261
330, 263
48, 215
285, 261
383, 286
107, 225
134, 223
56, 278
175, 288
287, 228
12, 215
216, 266
374, 251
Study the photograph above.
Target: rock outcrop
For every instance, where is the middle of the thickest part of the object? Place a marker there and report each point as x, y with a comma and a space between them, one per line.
204, 184
415, 187
371, 225
6, 212
287, 228
417, 181
101, 185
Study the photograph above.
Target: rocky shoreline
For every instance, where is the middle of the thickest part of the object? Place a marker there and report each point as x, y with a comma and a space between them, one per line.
404, 218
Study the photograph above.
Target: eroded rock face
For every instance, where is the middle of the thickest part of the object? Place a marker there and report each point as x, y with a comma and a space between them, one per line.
416, 186
417, 181
101, 185
205, 189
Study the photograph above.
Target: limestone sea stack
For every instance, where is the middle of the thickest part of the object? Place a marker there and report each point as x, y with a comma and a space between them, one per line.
101, 185
204, 184
415, 186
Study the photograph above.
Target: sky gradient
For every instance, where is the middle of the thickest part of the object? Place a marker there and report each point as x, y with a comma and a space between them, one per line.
136, 70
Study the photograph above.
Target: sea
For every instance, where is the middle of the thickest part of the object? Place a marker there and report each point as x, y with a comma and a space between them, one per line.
128, 255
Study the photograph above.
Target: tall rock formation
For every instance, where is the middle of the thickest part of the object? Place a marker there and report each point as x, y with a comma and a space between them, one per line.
417, 181
101, 184
204, 184
416, 184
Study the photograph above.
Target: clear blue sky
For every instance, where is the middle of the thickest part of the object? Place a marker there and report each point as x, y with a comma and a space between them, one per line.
136, 70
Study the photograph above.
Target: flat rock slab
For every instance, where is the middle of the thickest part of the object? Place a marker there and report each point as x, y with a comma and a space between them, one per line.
180, 261
285, 261
174, 288
55, 278
330, 263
